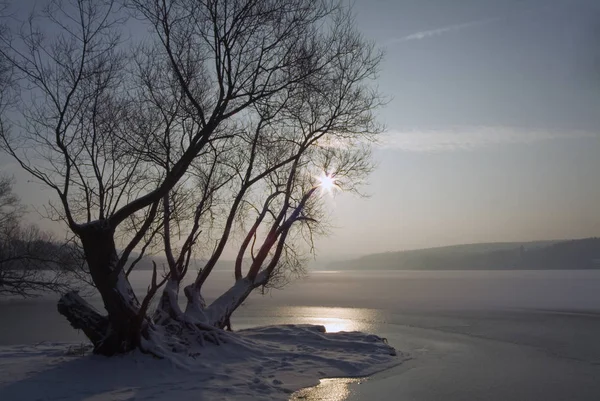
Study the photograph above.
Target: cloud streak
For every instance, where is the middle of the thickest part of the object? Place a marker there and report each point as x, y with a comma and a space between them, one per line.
443, 30
470, 138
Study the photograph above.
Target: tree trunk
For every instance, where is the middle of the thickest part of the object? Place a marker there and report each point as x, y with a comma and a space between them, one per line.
220, 311
168, 306
195, 309
123, 324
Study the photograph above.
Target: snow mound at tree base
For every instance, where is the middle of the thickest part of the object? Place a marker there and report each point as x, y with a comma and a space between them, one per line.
266, 363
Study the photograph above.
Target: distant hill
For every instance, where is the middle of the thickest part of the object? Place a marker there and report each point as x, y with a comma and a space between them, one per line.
540, 255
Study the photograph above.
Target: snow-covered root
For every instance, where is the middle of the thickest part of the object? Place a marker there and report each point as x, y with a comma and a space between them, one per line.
204, 333
171, 331
177, 335
161, 343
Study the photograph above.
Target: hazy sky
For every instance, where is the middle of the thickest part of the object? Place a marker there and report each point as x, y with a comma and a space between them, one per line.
493, 130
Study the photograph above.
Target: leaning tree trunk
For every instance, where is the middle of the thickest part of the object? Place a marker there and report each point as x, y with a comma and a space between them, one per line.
119, 331
220, 311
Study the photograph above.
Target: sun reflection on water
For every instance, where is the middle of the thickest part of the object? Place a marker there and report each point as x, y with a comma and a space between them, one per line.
335, 324
334, 319
326, 390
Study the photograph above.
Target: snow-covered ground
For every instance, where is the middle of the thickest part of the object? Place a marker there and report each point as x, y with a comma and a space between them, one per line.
267, 363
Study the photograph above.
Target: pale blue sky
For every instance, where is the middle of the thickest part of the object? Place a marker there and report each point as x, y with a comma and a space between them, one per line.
493, 130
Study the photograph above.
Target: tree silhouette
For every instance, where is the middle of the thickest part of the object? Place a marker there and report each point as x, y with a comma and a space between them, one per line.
215, 127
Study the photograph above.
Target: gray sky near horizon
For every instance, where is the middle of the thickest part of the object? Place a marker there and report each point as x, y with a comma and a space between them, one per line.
493, 127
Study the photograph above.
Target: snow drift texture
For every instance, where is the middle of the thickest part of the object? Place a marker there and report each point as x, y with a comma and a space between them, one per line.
265, 363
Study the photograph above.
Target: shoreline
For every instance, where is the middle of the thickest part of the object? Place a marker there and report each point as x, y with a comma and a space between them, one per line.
530, 355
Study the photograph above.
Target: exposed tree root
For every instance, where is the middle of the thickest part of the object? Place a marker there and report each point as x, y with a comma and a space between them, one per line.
83, 316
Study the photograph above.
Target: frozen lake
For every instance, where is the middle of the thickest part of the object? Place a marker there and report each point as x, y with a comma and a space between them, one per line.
351, 300
492, 335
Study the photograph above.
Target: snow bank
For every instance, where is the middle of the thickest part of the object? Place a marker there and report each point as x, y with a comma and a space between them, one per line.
266, 363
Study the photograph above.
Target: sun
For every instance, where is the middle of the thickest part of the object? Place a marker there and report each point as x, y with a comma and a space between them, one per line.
327, 182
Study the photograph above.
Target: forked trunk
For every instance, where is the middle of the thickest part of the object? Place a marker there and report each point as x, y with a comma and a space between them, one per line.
122, 326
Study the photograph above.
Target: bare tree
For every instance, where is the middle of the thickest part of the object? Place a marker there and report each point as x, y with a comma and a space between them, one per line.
214, 129
30, 261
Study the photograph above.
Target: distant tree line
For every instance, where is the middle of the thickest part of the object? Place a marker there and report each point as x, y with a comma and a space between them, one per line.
31, 261
550, 255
